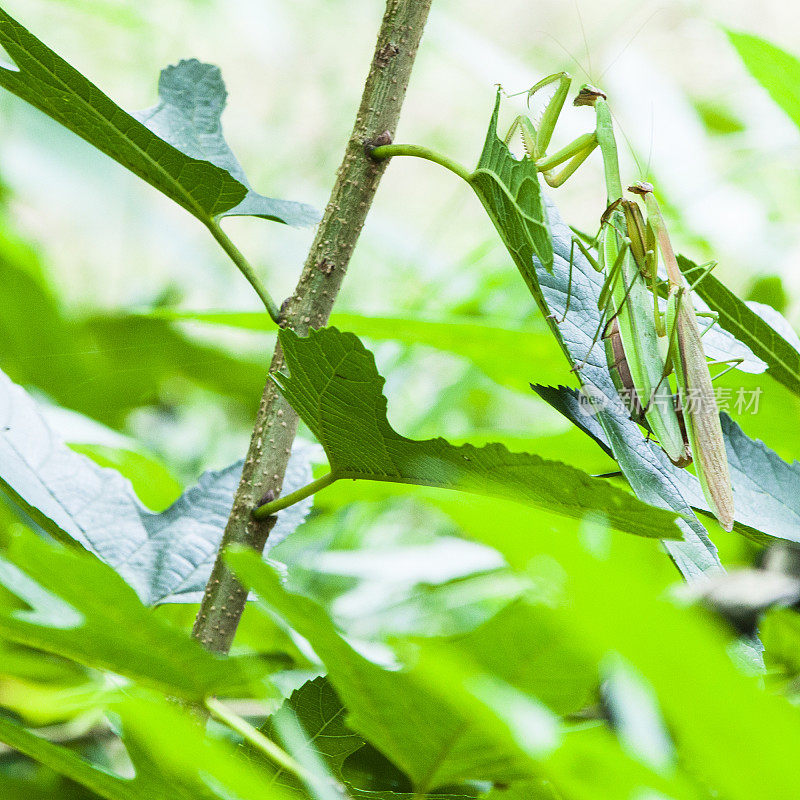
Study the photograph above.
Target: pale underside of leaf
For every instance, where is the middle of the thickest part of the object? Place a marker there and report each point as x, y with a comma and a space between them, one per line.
48, 82
766, 499
165, 557
184, 155
188, 116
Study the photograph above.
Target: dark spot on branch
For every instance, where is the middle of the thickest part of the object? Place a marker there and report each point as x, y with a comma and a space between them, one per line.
326, 266
379, 141
267, 497
386, 54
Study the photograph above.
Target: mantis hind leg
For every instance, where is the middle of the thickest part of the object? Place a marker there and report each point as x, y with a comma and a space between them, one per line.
590, 258
613, 275
731, 362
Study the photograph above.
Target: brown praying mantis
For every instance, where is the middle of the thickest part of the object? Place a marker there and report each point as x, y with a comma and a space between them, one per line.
692, 373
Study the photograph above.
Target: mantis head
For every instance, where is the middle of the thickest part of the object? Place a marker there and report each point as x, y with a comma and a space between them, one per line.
587, 95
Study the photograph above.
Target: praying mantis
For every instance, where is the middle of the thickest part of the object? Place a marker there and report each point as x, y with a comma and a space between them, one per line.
635, 329
694, 380
624, 296
643, 345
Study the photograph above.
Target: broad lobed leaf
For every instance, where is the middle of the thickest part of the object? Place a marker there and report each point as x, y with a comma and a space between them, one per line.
206, 187
48, 82
607, 594
512, 196
483, 342
188, 116
335, 387
767, 502
429, 715
202, 768
773, 344
165, 557
316, 707
433, 743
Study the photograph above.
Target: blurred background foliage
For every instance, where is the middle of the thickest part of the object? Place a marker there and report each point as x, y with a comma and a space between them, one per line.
85, 246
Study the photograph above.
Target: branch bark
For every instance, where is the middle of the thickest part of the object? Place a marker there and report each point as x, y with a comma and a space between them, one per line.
310, 306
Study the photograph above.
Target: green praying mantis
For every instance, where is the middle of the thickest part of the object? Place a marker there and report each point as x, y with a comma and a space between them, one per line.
643, 346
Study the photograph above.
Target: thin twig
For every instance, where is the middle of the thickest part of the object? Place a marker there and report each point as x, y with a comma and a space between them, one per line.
253, 736
310, 305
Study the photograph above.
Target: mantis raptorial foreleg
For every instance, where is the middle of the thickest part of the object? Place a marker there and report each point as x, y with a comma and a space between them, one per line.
694, 379
536, 140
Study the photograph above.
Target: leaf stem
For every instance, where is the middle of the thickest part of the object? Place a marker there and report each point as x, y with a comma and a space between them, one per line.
245, 268
268, 509
390, 150
253, 736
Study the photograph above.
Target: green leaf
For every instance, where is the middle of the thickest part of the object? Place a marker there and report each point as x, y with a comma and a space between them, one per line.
128, 360
766, 496
336, 389
167, 741
153, 483
65, 762
766, 488
780, 630
50, 84
771, 345
105, 366
188, 116
79, 608
775, 69
552, 670
463, 712
320, 712
635, 715
512, 196
718, 118
609, 594
588, 764
485, 344
433, 743
165, 557
200, 768
43, 79
769, 290
34, 666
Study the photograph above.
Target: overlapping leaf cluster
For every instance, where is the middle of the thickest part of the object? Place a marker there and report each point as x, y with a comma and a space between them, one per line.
580, 677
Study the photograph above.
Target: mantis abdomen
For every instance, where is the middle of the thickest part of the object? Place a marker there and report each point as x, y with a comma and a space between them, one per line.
700, 408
